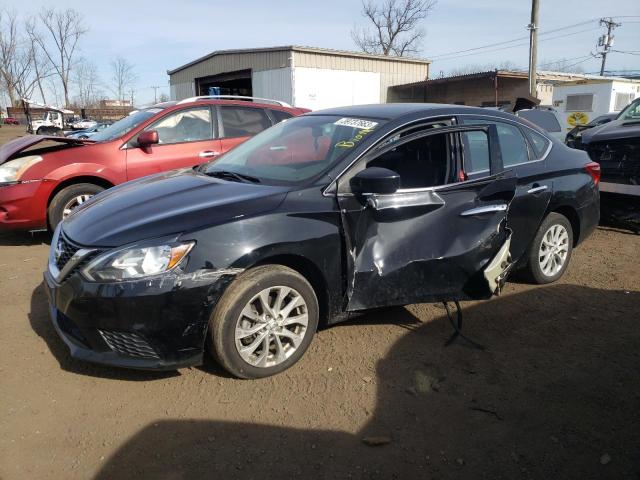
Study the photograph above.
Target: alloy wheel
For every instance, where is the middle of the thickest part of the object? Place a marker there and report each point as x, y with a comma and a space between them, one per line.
553, 250
73, 203
271, 326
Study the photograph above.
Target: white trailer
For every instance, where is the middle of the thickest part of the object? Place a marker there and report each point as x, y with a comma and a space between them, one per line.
581, 101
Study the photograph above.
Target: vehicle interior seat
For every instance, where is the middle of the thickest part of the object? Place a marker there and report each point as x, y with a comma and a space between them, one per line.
421, 163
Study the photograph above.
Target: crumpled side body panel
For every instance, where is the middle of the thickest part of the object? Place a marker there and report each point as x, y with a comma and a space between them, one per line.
419, 247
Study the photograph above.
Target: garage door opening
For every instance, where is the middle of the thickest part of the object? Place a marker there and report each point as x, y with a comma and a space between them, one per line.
230, 83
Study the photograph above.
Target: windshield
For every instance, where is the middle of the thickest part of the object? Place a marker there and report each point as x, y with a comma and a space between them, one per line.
631, 111
125, 125
295, 150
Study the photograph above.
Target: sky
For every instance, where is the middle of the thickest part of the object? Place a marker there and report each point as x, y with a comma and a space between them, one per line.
158, 35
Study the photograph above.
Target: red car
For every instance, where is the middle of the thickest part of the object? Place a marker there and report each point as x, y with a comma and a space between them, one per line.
41, 184
11, 121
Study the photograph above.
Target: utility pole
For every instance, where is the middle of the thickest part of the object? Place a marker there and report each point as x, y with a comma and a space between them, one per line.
533, 47
606, 40
131, 93
155, 93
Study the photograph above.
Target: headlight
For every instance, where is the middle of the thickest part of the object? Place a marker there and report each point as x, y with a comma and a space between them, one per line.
12, 171
136, 262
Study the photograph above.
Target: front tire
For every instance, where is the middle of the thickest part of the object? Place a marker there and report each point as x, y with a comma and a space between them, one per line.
550, 250
69, 198
264, 322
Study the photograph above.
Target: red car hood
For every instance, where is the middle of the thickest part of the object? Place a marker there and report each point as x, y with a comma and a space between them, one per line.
9, 149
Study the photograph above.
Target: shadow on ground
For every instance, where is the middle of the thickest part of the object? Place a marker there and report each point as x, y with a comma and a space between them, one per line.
556, 390
12, 239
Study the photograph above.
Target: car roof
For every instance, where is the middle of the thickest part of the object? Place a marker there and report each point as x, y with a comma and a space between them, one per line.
214, 101
393, 111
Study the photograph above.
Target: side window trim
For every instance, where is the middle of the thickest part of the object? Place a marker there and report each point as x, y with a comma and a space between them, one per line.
495, 157
364, 156
518, 125
530, 156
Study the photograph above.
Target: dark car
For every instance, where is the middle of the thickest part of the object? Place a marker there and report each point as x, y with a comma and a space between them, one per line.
574, 136
329, 213
616, 146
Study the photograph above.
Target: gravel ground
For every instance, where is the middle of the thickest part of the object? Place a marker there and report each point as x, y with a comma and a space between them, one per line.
555, 395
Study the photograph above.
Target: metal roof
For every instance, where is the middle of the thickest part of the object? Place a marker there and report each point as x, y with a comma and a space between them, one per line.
541, 74
297, 48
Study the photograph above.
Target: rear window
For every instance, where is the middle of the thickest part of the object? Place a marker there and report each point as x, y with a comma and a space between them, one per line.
544, 119
280, 116
243, 121
539, 144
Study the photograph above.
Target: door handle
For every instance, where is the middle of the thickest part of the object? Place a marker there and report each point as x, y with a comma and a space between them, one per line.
499, 207
208, 154
537, 189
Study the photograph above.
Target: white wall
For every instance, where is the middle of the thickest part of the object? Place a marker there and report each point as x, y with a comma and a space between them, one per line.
317, 88
623, 87
601, 100
274, 84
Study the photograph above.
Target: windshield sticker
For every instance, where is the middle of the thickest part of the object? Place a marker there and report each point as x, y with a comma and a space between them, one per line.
356, 123
356, 138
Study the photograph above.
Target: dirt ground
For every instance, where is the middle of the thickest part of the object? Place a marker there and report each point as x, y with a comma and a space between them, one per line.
555, 395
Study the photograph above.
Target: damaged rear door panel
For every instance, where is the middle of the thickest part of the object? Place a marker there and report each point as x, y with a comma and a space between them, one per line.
446, 242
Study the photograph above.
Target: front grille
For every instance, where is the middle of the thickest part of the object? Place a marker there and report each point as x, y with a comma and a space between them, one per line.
128, 344
64, 251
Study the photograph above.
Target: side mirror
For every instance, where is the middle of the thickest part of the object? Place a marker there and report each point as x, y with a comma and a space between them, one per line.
148, 138
375, 180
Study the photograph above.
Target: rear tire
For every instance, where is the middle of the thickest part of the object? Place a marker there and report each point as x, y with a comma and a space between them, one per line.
550, 251
67, 199
250, 341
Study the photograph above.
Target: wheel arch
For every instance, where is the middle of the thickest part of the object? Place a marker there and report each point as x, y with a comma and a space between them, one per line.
102, 182
311, 272
572, 215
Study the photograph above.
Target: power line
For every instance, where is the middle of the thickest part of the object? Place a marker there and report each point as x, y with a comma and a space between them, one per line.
518, 44
628, 53
565, 60
547, 32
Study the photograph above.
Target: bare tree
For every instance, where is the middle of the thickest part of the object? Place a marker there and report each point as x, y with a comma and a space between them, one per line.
393, 28
16, 59
123, 76
561, 65
87, 82
41, 65
64, 29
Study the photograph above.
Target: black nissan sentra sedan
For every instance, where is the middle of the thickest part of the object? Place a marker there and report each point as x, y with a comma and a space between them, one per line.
333, 212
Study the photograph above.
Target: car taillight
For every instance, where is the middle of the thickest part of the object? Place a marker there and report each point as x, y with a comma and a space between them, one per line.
593, 169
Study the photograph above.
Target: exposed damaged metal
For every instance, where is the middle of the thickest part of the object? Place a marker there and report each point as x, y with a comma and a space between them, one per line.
616, 147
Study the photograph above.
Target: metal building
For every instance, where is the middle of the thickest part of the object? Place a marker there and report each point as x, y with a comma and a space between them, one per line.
306, 77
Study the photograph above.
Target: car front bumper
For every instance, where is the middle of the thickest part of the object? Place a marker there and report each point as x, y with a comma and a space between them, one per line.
23, 206
152, 324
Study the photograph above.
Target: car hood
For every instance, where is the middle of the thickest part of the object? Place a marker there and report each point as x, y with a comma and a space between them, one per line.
614, 130
18, 145
165, 204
